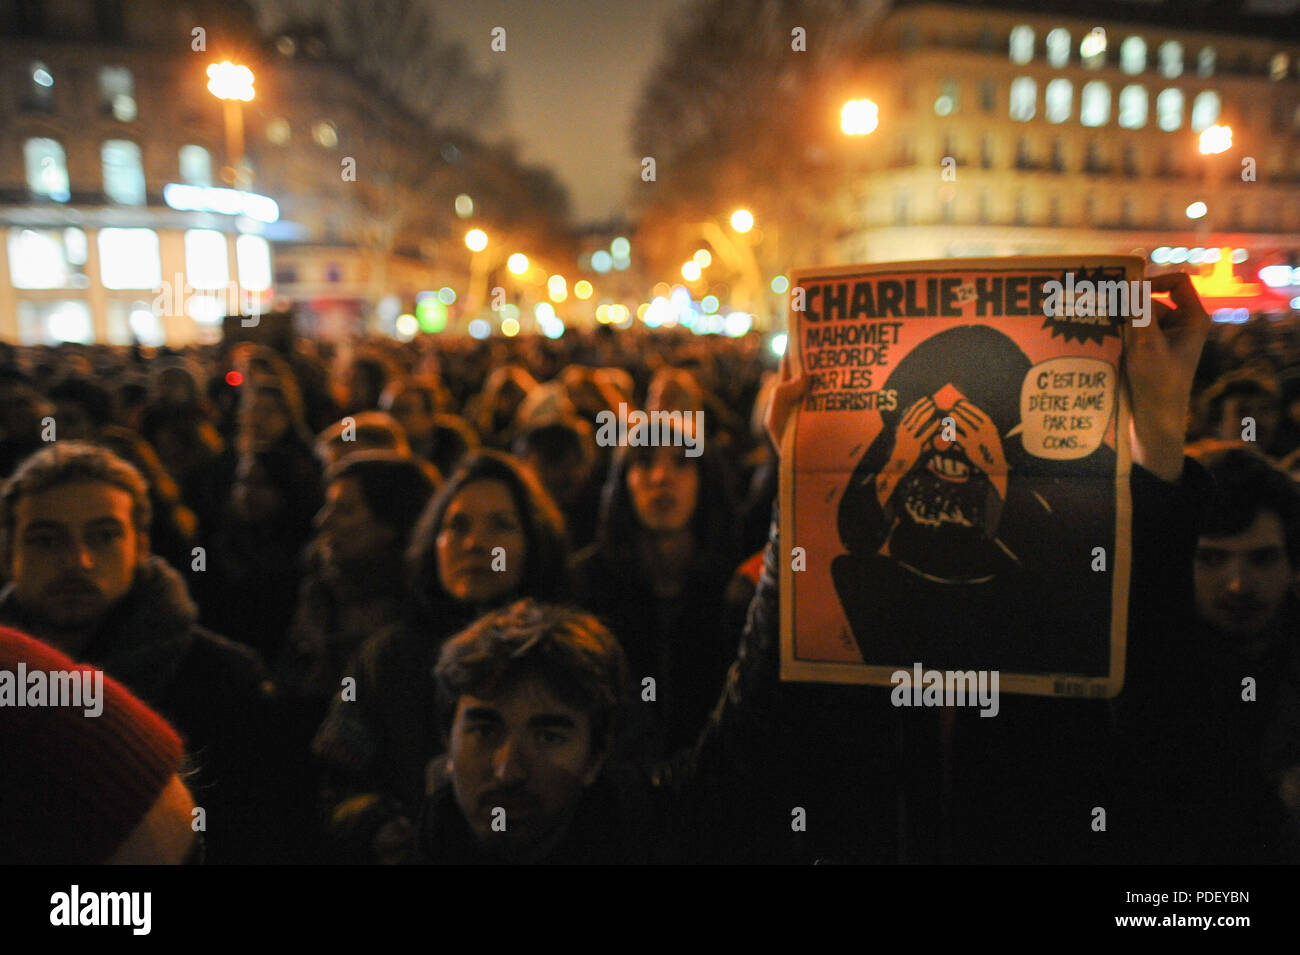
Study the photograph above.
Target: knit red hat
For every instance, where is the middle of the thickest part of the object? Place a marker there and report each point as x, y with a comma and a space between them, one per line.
74, 786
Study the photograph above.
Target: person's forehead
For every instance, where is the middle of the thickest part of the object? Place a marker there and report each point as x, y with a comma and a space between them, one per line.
487, 492
1265, 530
75, 502
521, 700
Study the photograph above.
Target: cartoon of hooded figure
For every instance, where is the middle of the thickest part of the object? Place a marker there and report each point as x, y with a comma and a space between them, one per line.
963, 549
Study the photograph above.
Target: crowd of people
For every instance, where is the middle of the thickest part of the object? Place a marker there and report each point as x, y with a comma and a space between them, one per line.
381, 602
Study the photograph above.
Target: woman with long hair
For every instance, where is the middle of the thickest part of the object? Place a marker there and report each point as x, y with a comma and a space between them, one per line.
657, 574
489, 537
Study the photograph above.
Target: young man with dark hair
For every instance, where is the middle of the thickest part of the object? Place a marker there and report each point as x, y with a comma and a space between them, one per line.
528, 699
1246, 634
75, 521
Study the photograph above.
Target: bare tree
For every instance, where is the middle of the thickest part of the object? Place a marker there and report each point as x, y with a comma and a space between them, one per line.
399, 46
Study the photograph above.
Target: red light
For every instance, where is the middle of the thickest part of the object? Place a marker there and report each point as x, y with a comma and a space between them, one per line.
234, 379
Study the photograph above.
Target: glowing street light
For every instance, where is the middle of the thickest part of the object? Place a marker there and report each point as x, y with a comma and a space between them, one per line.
233, 85
1196, 210
742, 220
557, 288
230, 81
476, 240
517, 263
1216, 139
859, 117
691, 270
582, 288
703, 258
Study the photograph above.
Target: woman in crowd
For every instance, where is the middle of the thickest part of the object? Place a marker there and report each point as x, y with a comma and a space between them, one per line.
657, 574
490, 536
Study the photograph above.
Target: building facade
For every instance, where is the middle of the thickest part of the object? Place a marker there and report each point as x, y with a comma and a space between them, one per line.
136, 206
1023, 131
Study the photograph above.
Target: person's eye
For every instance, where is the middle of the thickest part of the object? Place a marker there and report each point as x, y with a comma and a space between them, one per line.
1209, 558
40, 540
505, 525
1266, 558
554, 737
105, 537
459, 524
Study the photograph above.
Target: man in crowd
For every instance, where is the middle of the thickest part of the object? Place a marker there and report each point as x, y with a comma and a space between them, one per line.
76, 550
1247, 621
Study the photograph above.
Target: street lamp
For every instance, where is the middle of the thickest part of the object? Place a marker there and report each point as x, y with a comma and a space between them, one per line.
1214, 141
859, 117
233, 85
742, 220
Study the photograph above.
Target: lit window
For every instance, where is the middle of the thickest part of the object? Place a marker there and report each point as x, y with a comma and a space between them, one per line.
49, 323
1205, 61
1171, 59
1133, 107
123, 172
207, 265
1024, 94
325, 134
1059, 100
1095, 104
253, 254
132, 322
1133, 55
1205, 110
206, 309
117, 93
947, 102
1278, 66
1092, 49
47, 169
47, 258
196, 166
128, 258
1058, 47
1169, 109
902, 208
278, 131
40, 87
1022, 44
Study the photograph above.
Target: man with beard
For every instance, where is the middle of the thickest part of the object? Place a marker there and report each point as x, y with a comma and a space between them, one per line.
76, 549
969, 552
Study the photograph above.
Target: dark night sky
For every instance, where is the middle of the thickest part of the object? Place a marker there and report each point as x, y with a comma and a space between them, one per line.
573, 71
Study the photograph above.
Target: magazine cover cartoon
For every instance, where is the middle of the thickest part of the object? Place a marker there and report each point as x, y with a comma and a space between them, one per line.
955, 482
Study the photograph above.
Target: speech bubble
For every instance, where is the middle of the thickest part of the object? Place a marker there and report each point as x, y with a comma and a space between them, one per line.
1065, 407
